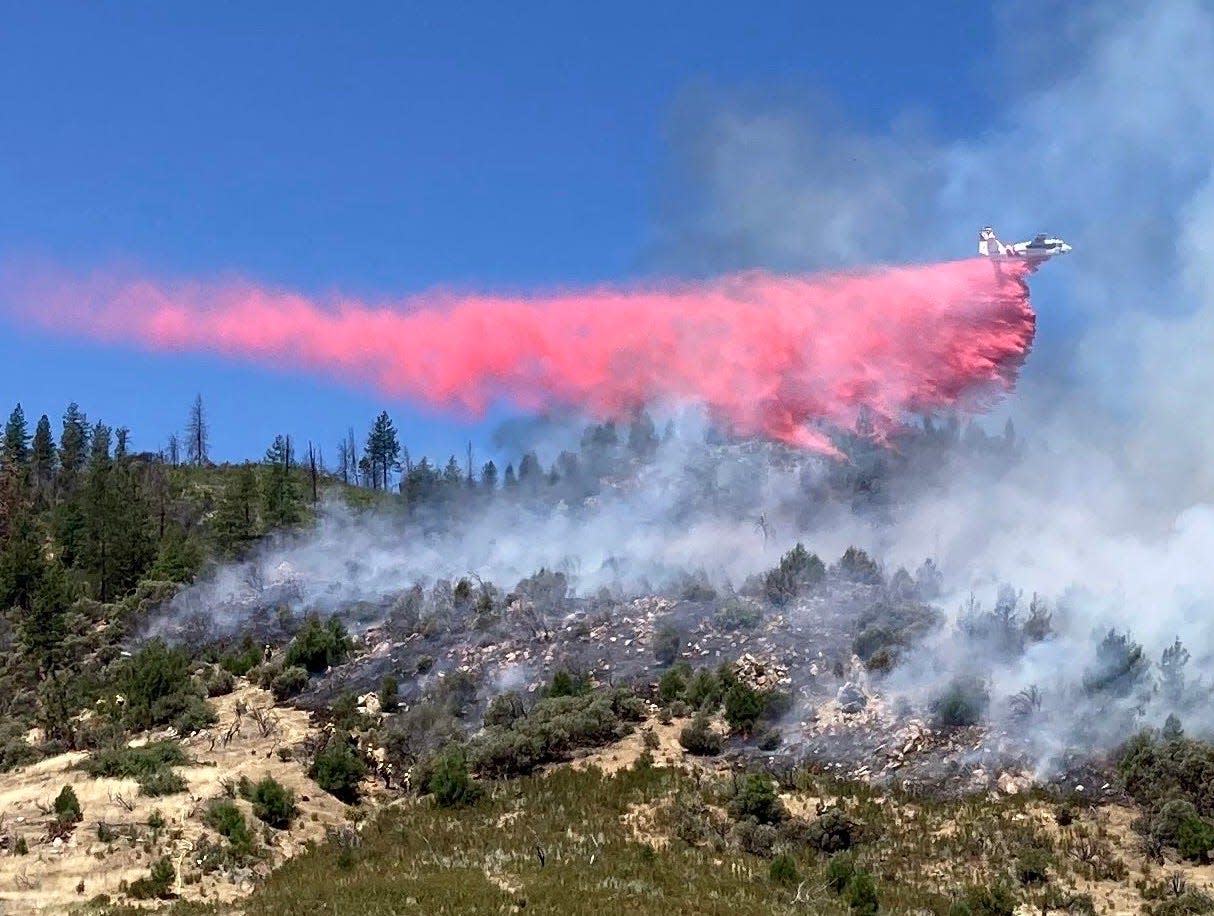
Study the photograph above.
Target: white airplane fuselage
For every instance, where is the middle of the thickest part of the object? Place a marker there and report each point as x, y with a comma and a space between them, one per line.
1034, 252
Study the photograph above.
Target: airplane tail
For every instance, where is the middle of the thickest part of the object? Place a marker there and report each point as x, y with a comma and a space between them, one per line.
988, 244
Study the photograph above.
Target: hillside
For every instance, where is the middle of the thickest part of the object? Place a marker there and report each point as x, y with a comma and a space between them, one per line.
255, 689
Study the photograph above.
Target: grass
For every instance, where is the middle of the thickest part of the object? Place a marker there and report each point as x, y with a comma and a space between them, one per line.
486, 858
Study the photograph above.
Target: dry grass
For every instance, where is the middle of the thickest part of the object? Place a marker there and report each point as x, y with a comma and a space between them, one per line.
48, 878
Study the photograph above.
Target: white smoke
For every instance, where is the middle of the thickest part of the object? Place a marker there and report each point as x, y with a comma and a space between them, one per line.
1104, 135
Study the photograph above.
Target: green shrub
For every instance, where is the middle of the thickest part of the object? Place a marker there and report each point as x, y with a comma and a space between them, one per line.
425, 663
798, 570
158, 884
195, 715
757, 798
568, 684
990, 900
704, 690
219, 683
389, 694
338, 770
161, 782
1195, 838
1033, 865
964, 702
857, 566
1156, 772
1189, 902
450, 782
667, 644
743, 707
673, 682
273, 803
289, 682
318, 646
157, 689
839, 871
243, 660
226, 819
862, 894
67, 806
737, 615
18, 752
504, 710
699, 739
555, 727
833, 831
783, 869
134, 762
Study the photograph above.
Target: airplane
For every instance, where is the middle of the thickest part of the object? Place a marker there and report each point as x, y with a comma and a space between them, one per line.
1034, 253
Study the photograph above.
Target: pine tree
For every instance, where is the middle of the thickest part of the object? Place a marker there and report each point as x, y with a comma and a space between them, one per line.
642, 436
43, 455
16, 440
42, 626
530, 473
453, 475
382, 451
280, 491
22, 563
116, 547
489, 476
235, 518
73, 448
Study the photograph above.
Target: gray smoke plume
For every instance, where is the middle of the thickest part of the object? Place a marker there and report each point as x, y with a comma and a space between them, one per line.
1103, 134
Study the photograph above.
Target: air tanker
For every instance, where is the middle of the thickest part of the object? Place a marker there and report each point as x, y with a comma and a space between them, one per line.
1034, 253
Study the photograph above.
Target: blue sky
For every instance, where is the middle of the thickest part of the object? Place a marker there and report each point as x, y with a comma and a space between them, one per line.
387, 149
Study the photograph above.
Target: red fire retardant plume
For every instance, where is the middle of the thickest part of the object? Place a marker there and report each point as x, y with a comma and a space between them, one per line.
787, 357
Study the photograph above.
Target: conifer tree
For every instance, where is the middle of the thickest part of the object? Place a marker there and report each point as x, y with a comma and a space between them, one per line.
16, 440
235, 518
489, 476
22, 563
382, 451
280, 498
43, 458
73, 448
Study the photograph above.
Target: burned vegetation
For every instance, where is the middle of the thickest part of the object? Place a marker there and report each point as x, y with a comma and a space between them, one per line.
826, 734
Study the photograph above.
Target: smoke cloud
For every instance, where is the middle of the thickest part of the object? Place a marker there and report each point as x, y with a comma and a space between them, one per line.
785, 357
1103, 134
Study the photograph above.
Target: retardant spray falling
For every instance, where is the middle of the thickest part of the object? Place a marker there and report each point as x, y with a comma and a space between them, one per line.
786, 357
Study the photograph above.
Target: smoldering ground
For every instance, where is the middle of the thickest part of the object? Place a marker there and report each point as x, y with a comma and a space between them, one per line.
1104, 136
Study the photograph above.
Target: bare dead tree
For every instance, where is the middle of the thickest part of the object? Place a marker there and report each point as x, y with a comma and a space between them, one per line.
352, 455
312, 469
127, 806
1177, 883
267, 722
197, 433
